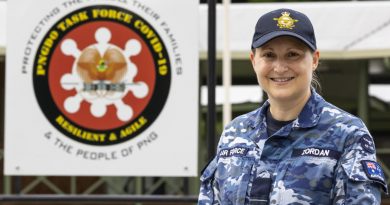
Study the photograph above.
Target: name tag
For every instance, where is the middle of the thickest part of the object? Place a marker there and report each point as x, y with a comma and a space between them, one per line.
316, 152
235, 151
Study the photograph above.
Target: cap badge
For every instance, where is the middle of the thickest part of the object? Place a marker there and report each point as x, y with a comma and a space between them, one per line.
285, 21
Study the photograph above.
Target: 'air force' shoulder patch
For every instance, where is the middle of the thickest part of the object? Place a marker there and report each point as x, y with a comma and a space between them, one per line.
234, 151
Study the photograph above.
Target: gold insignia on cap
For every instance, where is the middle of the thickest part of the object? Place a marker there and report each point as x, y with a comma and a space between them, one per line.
285, 21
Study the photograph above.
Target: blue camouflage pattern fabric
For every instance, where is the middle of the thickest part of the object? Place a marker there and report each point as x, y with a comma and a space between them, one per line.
325, 156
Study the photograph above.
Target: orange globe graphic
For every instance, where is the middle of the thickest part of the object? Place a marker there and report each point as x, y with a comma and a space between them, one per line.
91, 66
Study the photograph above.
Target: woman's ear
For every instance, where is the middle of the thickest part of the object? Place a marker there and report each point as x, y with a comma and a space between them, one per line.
316, 59
252, 57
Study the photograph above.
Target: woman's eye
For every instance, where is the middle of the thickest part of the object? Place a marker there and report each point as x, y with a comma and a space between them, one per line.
293, 54
268, 55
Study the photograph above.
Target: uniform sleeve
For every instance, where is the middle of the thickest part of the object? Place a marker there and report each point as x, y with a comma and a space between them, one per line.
359, 178
209, 193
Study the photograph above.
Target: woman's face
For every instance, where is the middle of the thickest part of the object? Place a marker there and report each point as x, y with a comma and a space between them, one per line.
284, 67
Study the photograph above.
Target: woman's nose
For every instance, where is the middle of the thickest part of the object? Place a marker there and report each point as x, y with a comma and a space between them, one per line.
280, 66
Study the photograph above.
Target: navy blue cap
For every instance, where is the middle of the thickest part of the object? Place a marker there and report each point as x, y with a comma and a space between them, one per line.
284, 22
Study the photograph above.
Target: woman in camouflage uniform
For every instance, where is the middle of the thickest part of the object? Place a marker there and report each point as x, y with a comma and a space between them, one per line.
296, 148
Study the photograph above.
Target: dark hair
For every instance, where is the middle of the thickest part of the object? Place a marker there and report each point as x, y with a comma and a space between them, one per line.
315, 82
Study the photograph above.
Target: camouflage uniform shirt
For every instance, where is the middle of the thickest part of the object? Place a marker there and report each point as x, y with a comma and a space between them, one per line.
325, 156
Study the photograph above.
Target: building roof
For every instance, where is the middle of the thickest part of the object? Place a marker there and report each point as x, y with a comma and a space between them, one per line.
344, 30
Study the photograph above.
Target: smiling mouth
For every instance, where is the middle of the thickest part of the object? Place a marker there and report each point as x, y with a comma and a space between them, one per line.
281, 80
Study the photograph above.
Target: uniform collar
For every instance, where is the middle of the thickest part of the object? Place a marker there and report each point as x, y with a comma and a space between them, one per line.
259, 116
311, 112
308, 117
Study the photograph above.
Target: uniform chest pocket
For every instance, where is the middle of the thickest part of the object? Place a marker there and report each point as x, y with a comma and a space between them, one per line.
310, 173
232, 177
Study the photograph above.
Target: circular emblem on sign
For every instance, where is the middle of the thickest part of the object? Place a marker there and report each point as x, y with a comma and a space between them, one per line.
102, 75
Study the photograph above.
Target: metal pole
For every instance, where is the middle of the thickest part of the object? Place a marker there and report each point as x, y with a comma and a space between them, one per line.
211, 57
138, 187
227, 68
363, 93
17, 184
73, 185
7, 185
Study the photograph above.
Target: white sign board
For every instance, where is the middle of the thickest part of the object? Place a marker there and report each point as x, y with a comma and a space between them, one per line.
102, 87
